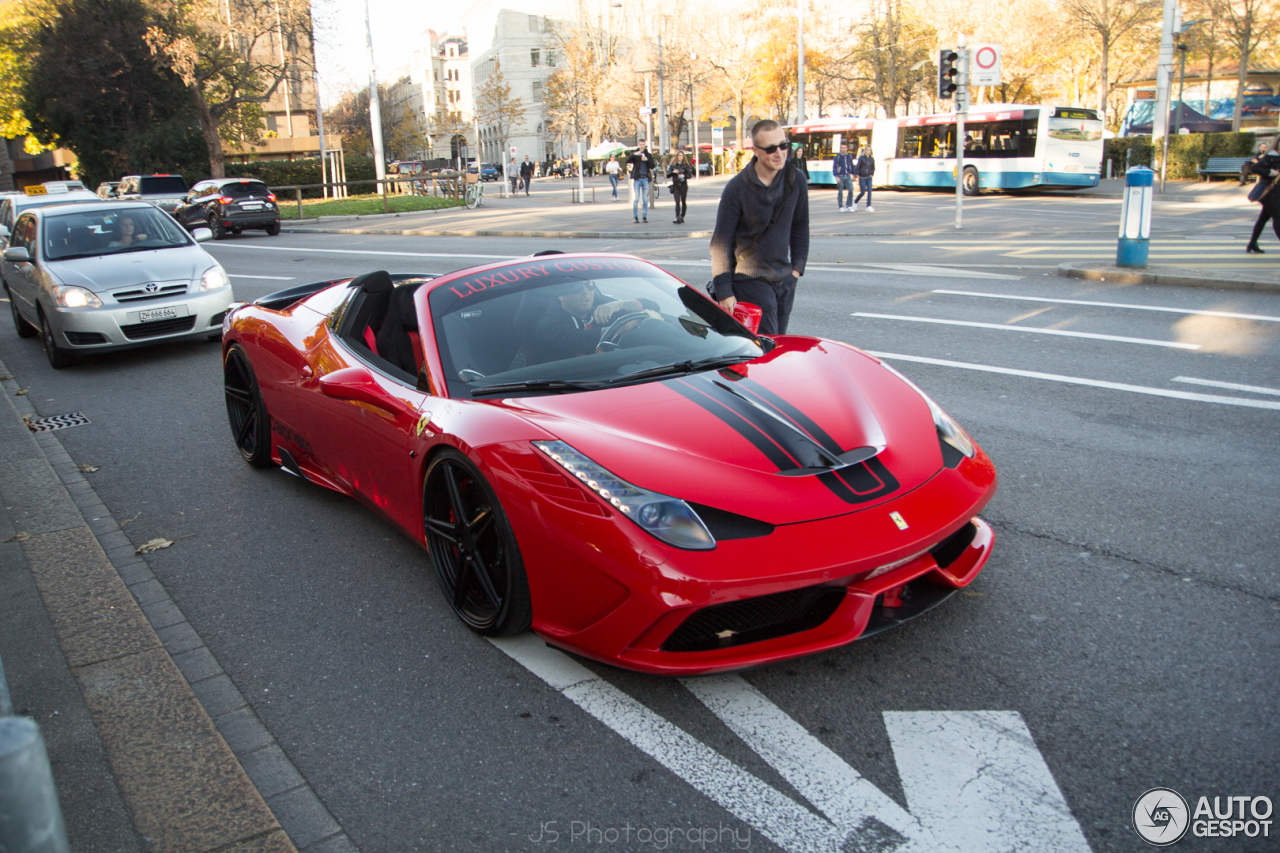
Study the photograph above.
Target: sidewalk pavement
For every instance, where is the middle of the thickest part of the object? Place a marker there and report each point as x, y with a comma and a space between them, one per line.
148, 740
549, 214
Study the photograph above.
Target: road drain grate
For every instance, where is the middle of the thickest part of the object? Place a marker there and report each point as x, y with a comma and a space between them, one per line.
56, 422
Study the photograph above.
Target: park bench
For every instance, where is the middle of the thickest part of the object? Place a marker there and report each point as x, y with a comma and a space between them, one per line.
1229, 166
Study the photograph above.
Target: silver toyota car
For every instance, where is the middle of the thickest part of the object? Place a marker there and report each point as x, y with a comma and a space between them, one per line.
97, 276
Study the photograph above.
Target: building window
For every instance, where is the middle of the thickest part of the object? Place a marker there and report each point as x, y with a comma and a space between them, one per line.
537, 92
435, 75
551, 57
534, 24
533, 57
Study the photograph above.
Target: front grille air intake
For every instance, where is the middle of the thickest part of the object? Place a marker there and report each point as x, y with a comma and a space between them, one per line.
752, 620
141, 331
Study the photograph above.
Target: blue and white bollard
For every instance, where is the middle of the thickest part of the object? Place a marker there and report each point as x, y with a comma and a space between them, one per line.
1135, 217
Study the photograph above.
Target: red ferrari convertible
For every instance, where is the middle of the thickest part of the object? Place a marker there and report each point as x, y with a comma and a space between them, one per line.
588, 447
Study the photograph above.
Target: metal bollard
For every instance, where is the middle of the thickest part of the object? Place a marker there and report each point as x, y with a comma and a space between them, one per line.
1135, 217
30, 817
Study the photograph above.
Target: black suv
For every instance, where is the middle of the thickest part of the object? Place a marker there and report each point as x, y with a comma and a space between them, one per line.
229, 206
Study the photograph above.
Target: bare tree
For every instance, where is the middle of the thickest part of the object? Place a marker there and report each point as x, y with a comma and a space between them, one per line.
496, 109
232, 55
1246, 24
1109, 22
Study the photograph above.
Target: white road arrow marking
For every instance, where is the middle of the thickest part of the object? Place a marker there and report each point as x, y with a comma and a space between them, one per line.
974, 781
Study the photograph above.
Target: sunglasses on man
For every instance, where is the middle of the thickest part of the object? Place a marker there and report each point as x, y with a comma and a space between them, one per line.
770, 149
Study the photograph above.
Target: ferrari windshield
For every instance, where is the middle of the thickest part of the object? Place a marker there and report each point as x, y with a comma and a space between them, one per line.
107, 232
555, 325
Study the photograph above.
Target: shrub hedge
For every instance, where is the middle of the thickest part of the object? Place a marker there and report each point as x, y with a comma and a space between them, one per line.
283, 173
1187, 152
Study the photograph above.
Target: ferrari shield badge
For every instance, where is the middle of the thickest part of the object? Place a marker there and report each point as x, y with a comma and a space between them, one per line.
421, 426
898, 520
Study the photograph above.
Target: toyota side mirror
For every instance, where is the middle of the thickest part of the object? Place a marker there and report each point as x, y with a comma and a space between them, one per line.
17, 255
202, 234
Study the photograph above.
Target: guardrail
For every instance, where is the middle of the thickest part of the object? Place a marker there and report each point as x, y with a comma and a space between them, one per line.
443, 184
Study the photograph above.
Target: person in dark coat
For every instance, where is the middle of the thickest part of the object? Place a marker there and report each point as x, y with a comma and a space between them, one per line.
1267, 167
574, 321
680, 172
526, 173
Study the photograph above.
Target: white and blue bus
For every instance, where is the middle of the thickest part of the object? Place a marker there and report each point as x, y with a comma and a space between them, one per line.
1006, 146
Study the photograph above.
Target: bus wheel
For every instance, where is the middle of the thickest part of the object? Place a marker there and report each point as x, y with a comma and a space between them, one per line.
971, 185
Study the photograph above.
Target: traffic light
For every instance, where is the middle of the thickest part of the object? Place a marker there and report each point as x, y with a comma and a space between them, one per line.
948, 73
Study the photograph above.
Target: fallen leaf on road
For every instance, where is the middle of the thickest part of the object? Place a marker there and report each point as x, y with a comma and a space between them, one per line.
5, 376
86, 468
20, 392
19, 537
157, 543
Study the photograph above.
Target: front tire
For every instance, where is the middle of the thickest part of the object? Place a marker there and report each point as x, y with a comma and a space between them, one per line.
250, 423
473, 548
972, 186
59, 358
21, 326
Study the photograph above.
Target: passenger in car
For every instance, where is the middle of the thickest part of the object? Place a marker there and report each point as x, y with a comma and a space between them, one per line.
127, 234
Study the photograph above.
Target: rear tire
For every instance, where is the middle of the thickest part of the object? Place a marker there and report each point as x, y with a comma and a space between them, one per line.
23, 328
273, 229
473, 548
250, 423
59, 358
972, 186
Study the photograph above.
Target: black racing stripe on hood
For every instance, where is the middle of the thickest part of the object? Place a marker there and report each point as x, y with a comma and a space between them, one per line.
860, 483
748, 428
806, 452
788, 410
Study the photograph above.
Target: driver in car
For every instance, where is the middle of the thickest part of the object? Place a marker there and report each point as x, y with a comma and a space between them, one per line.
575, 320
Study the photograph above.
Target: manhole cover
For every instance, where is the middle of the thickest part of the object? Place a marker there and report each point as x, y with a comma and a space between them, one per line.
56, 422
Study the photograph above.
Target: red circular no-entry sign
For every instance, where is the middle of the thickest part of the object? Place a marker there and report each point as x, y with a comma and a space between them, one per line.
986, 58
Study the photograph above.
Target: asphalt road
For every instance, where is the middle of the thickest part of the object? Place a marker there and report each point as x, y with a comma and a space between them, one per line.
1127, 619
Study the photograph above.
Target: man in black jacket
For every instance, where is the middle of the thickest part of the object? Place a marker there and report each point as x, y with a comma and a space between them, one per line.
576, 318
761, 240
526, 173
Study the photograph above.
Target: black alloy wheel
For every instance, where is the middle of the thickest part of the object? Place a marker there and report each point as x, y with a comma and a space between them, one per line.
58, 357
23, 328
219, 233
473, 548
250, 423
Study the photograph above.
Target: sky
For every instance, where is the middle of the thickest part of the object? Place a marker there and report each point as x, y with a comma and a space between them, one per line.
397, 26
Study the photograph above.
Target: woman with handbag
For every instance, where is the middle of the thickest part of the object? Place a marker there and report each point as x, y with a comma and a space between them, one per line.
680, 172
1267, 167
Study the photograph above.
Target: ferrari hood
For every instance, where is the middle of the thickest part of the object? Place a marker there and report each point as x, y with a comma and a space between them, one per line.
110, 272
813, 430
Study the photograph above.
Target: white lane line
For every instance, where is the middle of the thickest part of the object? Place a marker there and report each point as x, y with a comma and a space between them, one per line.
932, 269
1005, 328
1190, 311
781, 819
363, 252
1230, 386
817, 773
271, 277
978, 777
1092, 383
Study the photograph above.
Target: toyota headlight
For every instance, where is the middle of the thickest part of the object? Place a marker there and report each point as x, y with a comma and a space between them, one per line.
214, 277
75, 297
667, 518
948, 430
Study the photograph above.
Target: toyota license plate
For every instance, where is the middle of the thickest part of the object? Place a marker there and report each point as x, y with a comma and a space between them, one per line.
157, 314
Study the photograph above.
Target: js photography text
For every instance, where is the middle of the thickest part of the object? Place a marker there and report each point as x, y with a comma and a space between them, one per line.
658, 837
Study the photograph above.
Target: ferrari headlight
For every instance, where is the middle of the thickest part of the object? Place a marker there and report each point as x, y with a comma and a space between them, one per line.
948, 430
669, 519
75, 297
214, 277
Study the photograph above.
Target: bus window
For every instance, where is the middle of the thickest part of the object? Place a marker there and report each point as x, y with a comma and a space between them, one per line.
924, 142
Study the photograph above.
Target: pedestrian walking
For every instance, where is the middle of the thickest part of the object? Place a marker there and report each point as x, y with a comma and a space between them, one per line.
526, 173
613, 170
642, 167
761, 240
866, 169
513, 173
1267, 167
842, 167
680, 172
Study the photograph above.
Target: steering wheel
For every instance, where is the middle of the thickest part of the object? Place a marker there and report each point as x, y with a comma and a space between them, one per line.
614, 330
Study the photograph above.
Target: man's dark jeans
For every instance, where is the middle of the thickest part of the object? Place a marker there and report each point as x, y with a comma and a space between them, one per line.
774, 300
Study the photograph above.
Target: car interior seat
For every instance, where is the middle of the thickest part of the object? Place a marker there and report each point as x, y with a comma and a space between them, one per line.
397, 339
368, 309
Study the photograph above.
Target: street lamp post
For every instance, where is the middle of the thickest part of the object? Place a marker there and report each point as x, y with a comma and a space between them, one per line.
1181, 47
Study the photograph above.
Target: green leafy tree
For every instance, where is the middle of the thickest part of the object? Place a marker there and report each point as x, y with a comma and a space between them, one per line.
117, 108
